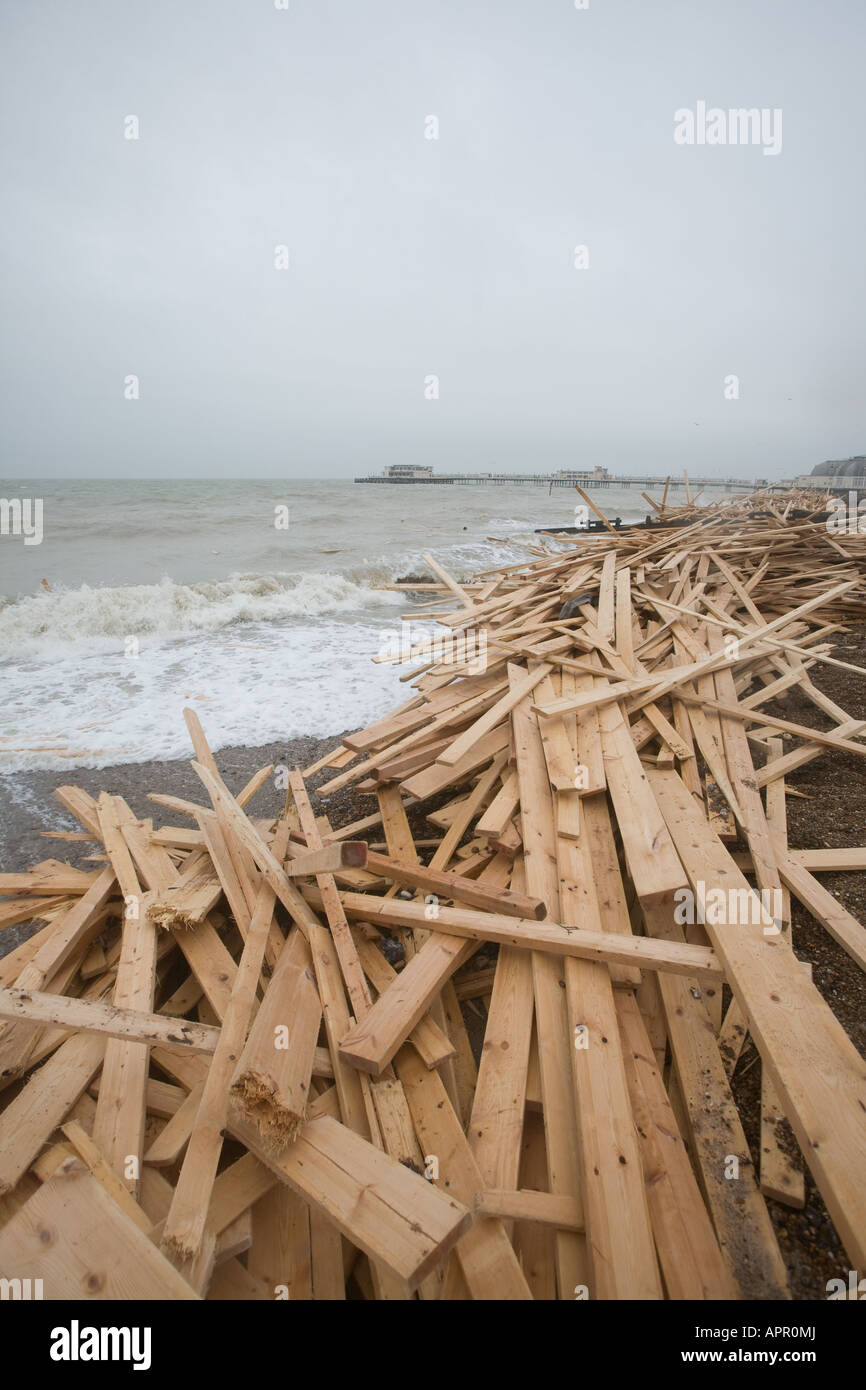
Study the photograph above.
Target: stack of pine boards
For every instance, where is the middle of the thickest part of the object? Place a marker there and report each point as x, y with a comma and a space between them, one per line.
216, 1083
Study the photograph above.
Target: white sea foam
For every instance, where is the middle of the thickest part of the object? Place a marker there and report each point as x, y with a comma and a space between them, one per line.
92, 619
260, 656
251, 684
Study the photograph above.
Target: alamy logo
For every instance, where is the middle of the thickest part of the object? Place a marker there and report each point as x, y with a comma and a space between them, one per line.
466, 647
729, 907
22, 516
77, 1343
20, 1290
847, 518
855, 1288
736, 126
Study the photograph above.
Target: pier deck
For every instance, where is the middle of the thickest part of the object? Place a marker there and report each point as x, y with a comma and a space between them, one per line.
550, 480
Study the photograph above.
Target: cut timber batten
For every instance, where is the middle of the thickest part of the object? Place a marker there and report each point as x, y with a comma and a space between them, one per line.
820, 1076
549, 937
31, 1007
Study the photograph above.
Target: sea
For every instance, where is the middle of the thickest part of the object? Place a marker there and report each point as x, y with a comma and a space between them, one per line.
257, 602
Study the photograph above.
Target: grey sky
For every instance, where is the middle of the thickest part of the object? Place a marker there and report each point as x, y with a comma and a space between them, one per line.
411, 256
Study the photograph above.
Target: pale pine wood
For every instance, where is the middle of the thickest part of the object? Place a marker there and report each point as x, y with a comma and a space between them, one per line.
103, 1253
814, 1066
487, 1259
44, 1103
31, 1008
185, 1223
687, 1246
271, 1082
382, 1207
551, 938
554, 1049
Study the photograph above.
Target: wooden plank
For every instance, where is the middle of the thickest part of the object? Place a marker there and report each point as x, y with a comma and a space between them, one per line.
93, 1158
350, 966
26, 910
93, 1250
184, 1231
533, 1242
842, 925
688, 1250
829, 861
430, 1041
34, 1114
526, 1205
813, 1064
208, 958
395, 1122
464, 743
651, 858
464, 1069
33, 1008
619, 1241
435, 778
326, 1258
602, 694
328, 977
169, 1145
495, 1128
81, 805
460, 889
49, 883
554, 1040
777, 1172
715, 1136
237, 1189
448, 580
548, 937
71, 931
604, 902
120, 1112
486, 1256
281, 1256
395, 823
781, 1168
271, 1081
371, 1043
393, 1215
329, 859
501, 809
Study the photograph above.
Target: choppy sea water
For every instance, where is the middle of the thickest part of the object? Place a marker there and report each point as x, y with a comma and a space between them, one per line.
256, 602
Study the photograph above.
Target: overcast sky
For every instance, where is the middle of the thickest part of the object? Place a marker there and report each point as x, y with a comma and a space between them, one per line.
412, 257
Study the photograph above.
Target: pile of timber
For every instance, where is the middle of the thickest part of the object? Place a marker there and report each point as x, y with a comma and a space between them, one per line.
252, 1057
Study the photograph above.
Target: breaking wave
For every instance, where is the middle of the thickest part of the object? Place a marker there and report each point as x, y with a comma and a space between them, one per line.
93, 617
